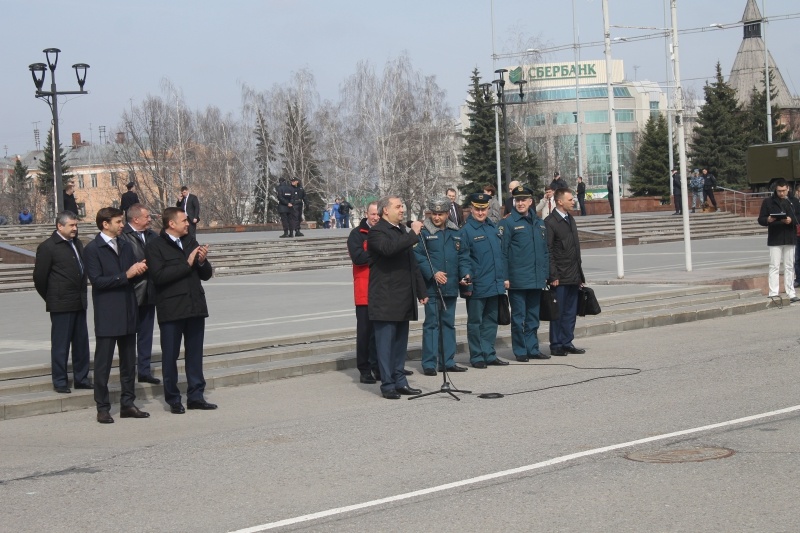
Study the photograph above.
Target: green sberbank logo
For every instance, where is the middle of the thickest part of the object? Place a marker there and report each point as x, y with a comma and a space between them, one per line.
515, 75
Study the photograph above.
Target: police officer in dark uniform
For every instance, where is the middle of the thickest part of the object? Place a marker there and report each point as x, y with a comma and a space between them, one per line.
285, 207
443, 261
528, 267
481, 239
298, 199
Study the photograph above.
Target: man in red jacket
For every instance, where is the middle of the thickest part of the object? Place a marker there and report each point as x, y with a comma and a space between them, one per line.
366, 359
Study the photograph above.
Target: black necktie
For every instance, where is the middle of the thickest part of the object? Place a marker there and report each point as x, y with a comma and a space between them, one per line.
141, 236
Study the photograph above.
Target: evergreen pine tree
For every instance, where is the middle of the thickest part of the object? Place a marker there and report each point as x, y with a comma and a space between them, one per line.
265, 154
756, 115
480, 154
45, 179
18, 185
720, 139
300, 161
651, 173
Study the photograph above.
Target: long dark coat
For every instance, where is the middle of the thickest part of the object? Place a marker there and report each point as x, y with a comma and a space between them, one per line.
565, 250
57, 276
113, 297
395, 282
179, 291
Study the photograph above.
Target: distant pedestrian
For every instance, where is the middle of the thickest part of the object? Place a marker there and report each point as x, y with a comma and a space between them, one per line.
778, 215
298, 203
284, 194
456, 215
610, 187
69, 198
558, 182
547, 203
696, 186
494, 205
326, 218
25, 217
508, 204
581, 191
59, 276
129, 198
676, 192
190, 205
709, 184
344, 212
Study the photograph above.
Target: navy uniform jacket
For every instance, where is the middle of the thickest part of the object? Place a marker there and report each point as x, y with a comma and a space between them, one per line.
525, 250
447, 254
114, 300
487, 266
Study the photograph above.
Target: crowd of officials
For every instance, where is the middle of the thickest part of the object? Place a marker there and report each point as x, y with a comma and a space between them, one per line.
479, 258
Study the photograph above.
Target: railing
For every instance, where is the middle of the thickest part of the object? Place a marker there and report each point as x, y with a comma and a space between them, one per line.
741, 203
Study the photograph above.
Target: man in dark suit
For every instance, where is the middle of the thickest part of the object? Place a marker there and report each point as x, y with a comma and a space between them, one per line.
137, 232
191, 206
59, 276
456, 213
69, 198
129, 198
395, 287
111, 266
177, 265
298, 203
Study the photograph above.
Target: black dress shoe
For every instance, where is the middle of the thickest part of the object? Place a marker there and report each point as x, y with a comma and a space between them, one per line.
87, 385
62, 390
408, 391
367, 379
149, 379
539, 356
200, 404
497, 362
573, 349
407, 372
429, 371
176, 409
391, 395
456, 368
298, 234
133, 412
104, 417
377, 376
522, 358
558, 351
479, 364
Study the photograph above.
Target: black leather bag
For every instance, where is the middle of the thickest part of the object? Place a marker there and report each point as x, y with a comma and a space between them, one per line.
587, 302
503, 310
548, 306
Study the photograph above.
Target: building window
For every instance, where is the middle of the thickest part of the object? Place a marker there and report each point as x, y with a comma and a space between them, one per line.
532, 121
80, 181
94, 180
654, 111
624, 115
113, 179
565, 117
595, 117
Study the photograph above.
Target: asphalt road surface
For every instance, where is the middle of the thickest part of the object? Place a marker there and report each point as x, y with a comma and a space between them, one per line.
325, 453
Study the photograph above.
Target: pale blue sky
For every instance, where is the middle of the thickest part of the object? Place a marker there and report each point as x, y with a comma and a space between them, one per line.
208, 48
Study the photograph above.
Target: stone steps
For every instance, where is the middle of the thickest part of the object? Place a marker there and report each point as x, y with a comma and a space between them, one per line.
27, 391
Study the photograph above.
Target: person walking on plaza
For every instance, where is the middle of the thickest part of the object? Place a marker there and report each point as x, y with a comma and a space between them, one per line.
366, 357
610, 188
177, 266
298, 201
395, 287
527, 269
482, 241
709, 184
111, 265
696, 186
581, 191
676, 192
128, 198
138, 233
191, 206
566, 273
69, 198
284, 194
59, 276
443, 262
778, 215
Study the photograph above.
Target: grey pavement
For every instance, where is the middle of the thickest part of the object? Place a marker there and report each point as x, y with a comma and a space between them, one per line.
254, 307
294, 447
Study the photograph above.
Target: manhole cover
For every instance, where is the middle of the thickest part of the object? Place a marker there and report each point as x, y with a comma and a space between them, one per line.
691, 455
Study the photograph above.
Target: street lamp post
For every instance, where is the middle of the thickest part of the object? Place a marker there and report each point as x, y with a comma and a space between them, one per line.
500, 84
38, 72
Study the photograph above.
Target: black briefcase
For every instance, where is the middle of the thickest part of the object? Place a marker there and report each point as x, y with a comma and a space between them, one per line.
587, 302
548, 306
503, 310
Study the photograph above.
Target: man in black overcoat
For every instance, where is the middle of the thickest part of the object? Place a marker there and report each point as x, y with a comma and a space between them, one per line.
111, 265
177, 266
190, 205
395, 287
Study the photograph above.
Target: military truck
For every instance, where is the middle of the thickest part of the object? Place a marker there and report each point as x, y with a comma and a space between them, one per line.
768, 162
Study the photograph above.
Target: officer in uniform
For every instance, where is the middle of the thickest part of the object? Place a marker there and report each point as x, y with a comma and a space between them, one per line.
285, 207
296, 215
481, 238
443, 261
528, 266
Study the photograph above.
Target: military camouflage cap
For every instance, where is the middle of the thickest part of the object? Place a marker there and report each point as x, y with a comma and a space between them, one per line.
441, 205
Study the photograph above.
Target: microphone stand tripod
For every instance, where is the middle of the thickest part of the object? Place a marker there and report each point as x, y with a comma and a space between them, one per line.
441, 306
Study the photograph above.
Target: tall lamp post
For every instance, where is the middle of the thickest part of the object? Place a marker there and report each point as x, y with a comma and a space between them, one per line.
38, 72
500, 84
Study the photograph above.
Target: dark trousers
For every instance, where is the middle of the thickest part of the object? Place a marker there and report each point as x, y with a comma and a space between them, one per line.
192, 331
345, 221
285, 221
562, 331
482, 329
709, 193
581, 201
192, 229
366, 354
611, 203
144, 338
295, 216
676, 197
103, 358
525, 321
69, 329
391, 341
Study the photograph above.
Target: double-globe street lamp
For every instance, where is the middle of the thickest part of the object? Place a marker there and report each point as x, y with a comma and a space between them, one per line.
38, 72
500, 84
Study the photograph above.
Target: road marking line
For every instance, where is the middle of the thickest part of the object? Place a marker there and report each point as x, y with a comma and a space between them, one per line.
511, 472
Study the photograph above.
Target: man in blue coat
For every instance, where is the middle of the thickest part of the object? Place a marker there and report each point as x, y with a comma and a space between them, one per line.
443, 262
481, 239
111, 265
528, 267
